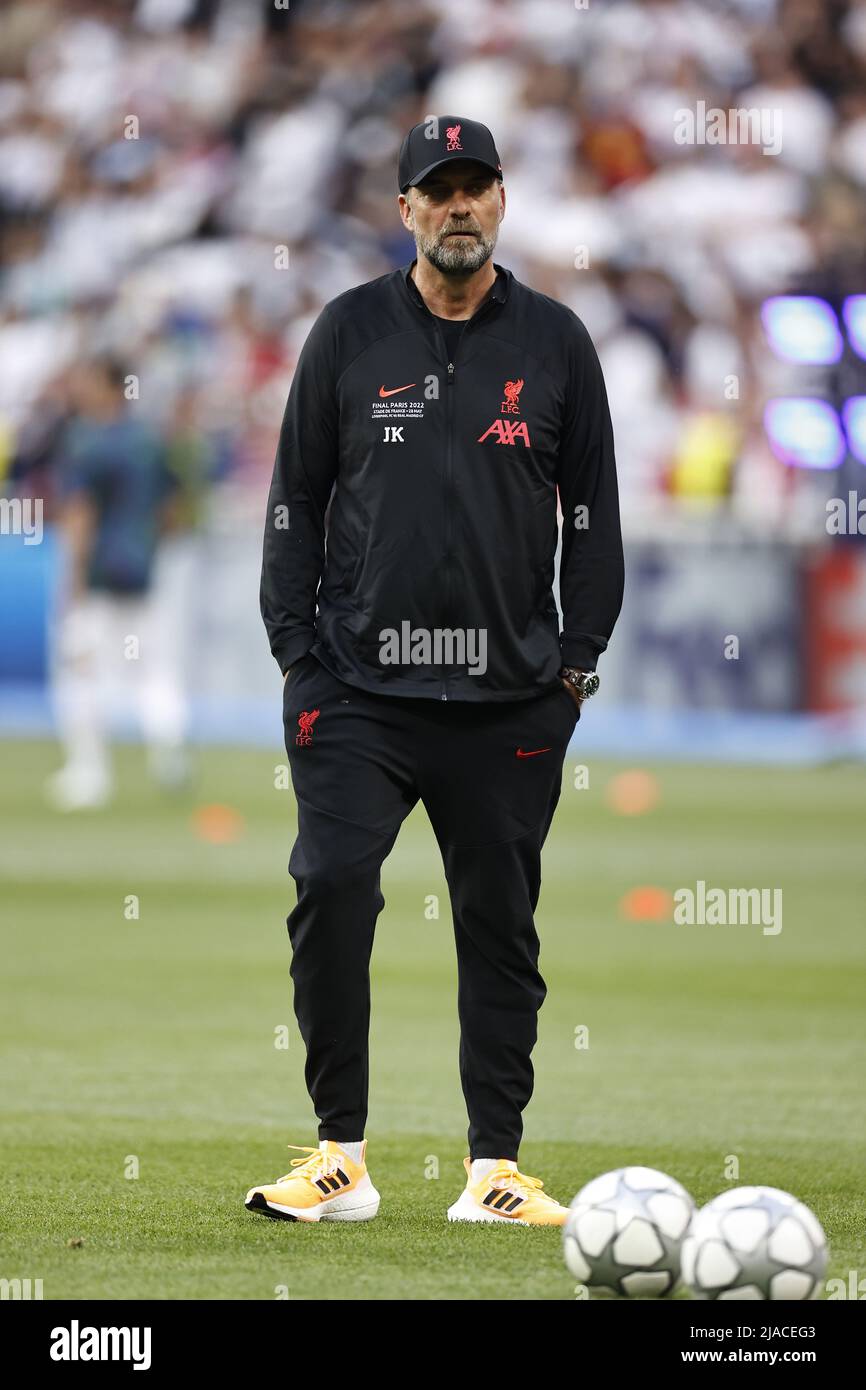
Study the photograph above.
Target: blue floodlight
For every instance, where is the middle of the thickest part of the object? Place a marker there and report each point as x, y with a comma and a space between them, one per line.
802, 328
804, 432
854, 314
854, 419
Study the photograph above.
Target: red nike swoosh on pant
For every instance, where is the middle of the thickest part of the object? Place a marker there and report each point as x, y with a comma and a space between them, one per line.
532, 753
383, 393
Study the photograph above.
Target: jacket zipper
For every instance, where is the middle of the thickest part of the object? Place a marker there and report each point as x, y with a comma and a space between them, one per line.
449, 401
449, 587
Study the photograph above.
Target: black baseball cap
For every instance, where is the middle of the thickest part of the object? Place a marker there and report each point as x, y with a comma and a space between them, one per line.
440, 140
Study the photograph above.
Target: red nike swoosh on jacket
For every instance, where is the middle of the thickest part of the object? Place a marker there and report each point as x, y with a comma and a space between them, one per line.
532, 753
383, 393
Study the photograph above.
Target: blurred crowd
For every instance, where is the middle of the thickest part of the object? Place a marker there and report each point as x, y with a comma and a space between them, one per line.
183, 184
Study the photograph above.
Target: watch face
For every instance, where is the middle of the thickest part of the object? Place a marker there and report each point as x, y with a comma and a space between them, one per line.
589, 684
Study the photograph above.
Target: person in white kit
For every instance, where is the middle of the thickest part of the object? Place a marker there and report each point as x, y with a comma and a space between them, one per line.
111, 650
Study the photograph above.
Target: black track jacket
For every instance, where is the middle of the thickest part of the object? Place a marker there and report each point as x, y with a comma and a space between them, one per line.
435, 484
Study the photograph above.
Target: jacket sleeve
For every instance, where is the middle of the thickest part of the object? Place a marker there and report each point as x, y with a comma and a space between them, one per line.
591, 575
304, 474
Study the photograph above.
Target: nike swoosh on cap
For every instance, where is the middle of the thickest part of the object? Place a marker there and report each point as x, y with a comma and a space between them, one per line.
383, 393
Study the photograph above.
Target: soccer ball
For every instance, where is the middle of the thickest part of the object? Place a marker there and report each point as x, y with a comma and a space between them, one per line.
624, 1232
755, 1242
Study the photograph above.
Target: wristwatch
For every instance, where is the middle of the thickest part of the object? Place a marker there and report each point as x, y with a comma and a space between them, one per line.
586, 683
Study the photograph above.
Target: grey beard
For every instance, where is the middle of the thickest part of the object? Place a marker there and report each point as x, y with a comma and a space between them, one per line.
456, 257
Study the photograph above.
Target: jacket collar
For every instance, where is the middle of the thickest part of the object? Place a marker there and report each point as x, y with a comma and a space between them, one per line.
498, 290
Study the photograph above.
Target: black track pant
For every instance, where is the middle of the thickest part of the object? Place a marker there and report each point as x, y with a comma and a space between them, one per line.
489, 776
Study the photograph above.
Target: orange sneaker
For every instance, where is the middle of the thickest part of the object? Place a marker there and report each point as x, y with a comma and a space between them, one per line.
325, 1186
506, 1194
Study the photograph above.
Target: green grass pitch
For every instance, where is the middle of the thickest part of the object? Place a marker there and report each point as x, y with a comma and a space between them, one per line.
151, 1042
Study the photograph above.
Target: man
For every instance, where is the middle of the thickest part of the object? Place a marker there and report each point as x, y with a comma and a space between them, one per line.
114, 488
443, 405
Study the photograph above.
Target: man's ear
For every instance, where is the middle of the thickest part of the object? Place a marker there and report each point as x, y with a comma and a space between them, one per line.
409, 210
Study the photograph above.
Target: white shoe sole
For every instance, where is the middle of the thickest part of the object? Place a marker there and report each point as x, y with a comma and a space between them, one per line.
361, 1204
467, 1209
